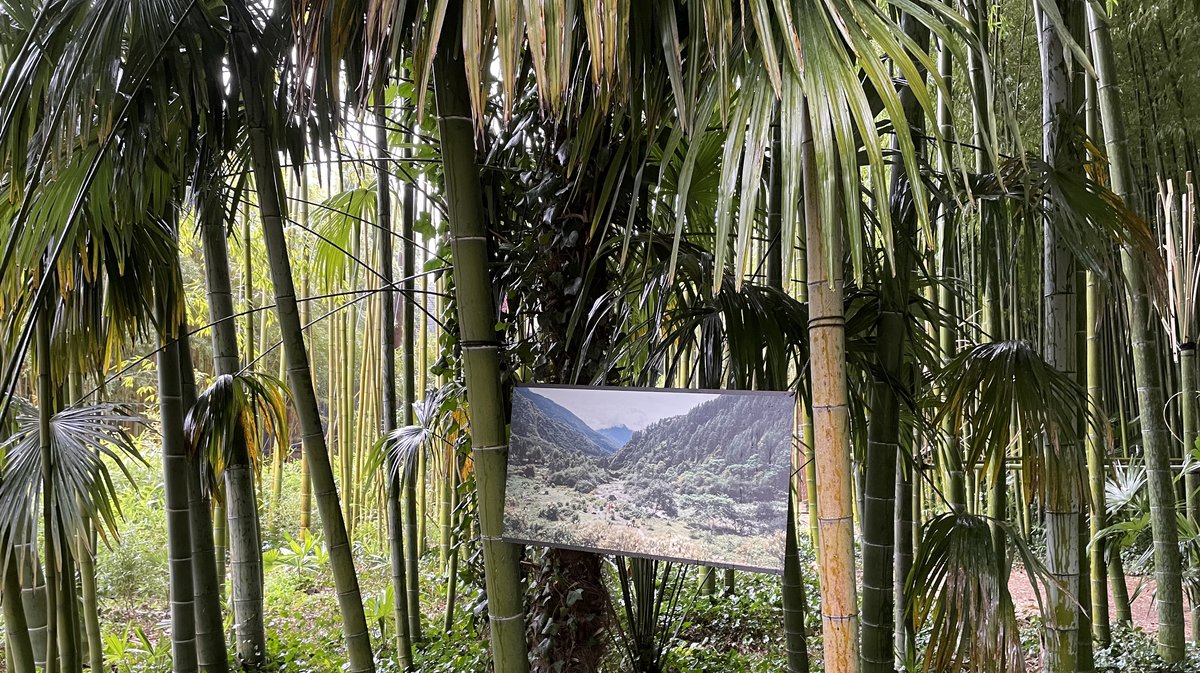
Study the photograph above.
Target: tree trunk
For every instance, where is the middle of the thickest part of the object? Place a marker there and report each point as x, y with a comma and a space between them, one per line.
1157, 450
245, 547
1061, 103
210, 626
16, 629
49, 538
265, 161
175, 479
481, 362
388, 375
831, 421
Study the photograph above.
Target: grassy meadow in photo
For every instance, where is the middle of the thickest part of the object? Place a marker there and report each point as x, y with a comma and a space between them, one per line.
693, 476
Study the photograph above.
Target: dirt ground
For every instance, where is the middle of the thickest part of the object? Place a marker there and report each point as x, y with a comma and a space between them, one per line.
1141, 595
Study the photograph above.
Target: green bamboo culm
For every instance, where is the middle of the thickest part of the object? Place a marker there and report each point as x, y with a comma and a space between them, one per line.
16, 629
175, 480
1157, 450
250, 73
480, 347
245, 548
1062, 98
395, 522
210, 626
414, 534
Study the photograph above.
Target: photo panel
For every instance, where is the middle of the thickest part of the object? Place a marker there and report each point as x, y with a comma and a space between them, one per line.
684, 475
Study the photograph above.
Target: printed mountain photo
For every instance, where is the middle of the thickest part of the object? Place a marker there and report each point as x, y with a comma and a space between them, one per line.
690, 476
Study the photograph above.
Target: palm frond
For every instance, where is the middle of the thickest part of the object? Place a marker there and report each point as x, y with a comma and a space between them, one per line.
961, 595
400, 449
236, 412
84, 442
1004, 391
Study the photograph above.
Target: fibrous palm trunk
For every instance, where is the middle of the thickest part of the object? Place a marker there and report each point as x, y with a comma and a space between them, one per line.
1157, 450
831, 423
481, 361
265, 161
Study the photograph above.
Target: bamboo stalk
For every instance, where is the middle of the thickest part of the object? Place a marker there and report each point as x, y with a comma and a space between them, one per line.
481, 364
1167, 565
830, 414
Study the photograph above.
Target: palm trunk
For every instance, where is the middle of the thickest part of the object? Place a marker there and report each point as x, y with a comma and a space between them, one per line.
481, 362
388, 375
830, 417
265, 160
245, 548
1167, 564
175, 480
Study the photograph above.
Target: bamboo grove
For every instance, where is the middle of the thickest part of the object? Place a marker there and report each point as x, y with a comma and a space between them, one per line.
245, 238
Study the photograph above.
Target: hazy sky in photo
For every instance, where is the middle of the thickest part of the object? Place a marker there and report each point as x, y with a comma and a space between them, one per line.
634, 409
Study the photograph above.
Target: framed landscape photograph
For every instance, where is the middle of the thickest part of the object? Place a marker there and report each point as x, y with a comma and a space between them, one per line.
685, 475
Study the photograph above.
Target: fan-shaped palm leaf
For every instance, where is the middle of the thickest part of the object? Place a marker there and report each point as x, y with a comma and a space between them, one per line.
989, 385
84, 441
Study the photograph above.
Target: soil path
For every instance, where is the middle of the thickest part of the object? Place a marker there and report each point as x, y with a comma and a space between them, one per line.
1141, 595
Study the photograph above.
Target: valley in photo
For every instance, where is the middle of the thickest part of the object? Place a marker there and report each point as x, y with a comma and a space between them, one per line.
683, 475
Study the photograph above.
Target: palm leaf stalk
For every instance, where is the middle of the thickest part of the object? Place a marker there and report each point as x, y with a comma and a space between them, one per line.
265, 162
395, 522
481, 364
1167, 563
245, 546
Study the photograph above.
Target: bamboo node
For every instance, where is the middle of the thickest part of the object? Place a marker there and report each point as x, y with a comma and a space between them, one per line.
497, 447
